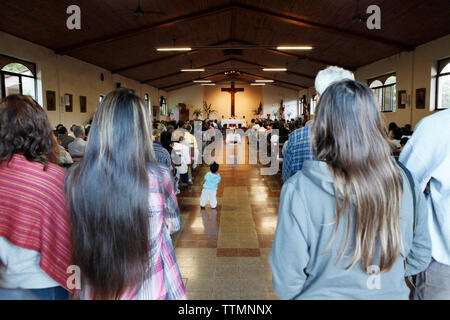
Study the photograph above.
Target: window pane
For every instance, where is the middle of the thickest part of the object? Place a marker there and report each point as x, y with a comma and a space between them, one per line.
12, 85
376, 83
444, 92
17, 68
446, 68
28, 87
390, 80
387, 99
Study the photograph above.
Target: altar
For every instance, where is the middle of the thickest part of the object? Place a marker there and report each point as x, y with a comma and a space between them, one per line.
235, 122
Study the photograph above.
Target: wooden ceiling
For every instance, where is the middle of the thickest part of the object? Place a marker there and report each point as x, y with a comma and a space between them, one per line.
113, 38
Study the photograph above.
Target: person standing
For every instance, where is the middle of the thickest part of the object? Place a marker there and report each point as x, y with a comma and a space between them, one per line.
427, 156
123, 208
353, 223
299, 148
212, 180
35, 239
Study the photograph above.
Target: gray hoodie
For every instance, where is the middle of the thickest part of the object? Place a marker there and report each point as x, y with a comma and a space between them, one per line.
302, 268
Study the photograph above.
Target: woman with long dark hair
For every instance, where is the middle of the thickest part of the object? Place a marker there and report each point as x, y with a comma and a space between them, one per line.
34, 219
350, 225
123, 208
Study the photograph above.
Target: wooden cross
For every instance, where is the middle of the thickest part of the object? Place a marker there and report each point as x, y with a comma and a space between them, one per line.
232, 90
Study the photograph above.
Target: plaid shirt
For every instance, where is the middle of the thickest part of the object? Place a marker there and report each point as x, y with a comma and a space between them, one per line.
298, 151
162, 156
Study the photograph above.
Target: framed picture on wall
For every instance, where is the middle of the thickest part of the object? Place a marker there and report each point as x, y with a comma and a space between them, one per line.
402, 99
83, 102
51, 100
68, 102
420, 98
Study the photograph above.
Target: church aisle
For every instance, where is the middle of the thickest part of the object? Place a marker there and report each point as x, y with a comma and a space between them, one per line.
224, 253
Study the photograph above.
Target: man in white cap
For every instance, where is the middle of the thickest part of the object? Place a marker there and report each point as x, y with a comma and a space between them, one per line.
299, 148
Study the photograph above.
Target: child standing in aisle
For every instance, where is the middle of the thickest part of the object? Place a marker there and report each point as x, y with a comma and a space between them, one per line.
209, 191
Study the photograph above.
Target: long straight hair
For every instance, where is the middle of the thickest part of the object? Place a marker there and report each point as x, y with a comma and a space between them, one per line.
108, 197
349, 135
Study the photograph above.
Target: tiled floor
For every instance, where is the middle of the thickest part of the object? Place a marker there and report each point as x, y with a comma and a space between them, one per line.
224, 253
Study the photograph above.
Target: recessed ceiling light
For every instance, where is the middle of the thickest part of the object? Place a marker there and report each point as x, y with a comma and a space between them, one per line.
192, 70
202, 81
274, 69
294, 48
174, 49
264, 80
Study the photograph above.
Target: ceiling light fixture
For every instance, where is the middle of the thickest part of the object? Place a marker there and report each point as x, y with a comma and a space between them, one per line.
294, 48
192, 70
257, 84
207, 84
274, 69
264, 80
202, 81
174, 49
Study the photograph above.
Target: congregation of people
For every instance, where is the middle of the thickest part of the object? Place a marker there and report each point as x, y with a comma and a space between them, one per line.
103, 198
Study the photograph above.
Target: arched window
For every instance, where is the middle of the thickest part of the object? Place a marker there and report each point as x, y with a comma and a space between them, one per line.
313, 104
163, 106
17, 78
384, 89
443, 84
147, 102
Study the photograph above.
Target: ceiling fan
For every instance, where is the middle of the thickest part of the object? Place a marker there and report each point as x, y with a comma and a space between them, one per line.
139, 12
358, 17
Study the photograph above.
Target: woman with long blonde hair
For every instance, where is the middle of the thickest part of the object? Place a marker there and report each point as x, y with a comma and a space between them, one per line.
123, 208
351, 224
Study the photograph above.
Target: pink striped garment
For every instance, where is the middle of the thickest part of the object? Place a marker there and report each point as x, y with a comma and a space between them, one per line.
34, 214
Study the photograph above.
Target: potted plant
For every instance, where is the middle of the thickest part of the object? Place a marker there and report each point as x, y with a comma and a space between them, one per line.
169, 112
275, 114
207, 108
197, 113
259, 110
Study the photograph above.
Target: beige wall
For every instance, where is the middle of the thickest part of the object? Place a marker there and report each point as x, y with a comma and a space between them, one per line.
191, 96
414, 70
64, 74
273, 96
247, 101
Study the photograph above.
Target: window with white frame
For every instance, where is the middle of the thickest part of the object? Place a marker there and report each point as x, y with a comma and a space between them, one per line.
163, 105
17, 77
384, 89
443, 84
313, 104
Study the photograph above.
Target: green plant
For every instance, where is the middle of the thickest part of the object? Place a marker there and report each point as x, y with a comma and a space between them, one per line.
207, 108
169, 111
259, 110
197, 112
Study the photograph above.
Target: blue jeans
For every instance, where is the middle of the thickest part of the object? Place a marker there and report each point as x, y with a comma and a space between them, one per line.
55, 293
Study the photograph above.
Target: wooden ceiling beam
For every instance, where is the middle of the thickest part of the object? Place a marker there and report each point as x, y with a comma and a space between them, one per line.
181, 72
223, 61
299, 57
176, 55
304, 75
129, 33
325, 28
219, 9
276, 80
190, 81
